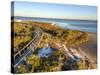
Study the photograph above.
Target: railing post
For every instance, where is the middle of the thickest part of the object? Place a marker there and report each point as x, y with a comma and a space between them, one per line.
24, 59
19, 53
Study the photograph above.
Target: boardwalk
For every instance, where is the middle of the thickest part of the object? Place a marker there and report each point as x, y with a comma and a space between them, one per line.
21, 55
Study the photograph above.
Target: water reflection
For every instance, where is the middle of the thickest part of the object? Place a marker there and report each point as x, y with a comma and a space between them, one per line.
45, 51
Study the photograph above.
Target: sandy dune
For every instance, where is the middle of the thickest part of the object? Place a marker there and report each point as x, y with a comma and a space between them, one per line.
90, 48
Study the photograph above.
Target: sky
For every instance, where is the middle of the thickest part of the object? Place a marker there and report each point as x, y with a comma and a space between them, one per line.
49, 10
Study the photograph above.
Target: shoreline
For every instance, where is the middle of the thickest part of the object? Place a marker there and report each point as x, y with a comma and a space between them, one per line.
21, 20
90, 48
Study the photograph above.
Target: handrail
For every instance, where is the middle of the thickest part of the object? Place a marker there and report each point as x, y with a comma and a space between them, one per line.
26, 45
21, 59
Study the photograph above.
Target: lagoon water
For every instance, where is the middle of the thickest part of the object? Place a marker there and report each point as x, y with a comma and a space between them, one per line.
82, 25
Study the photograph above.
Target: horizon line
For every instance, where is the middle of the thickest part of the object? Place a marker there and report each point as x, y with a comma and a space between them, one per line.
56, 18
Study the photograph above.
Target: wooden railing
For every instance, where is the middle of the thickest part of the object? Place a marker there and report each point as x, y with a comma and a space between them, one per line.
29, 48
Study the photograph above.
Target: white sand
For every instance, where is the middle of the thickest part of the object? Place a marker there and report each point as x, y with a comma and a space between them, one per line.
90, 48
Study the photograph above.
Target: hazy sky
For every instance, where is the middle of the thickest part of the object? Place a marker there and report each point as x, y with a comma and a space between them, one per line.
48, 10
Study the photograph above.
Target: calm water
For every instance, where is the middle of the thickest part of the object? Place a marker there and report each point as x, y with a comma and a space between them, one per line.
82, 25
45, 51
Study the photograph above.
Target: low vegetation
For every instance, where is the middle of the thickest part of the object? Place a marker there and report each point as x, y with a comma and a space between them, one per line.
55, 62
53, 35
21, 35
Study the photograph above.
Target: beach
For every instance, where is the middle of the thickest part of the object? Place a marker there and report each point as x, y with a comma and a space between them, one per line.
90, 48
